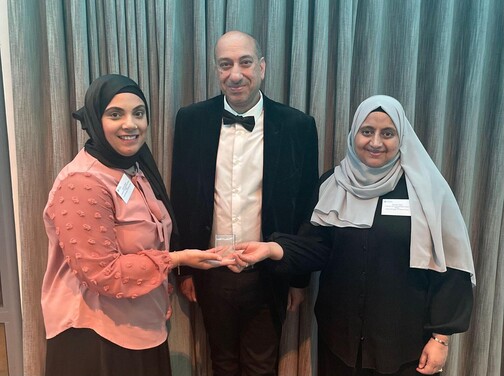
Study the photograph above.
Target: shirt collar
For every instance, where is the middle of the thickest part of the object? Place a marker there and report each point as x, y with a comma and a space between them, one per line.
255, 111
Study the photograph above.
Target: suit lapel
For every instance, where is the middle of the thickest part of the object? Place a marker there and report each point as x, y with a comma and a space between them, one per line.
272, 141
210, 132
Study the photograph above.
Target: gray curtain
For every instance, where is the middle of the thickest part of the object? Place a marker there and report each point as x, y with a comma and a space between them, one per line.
443, 60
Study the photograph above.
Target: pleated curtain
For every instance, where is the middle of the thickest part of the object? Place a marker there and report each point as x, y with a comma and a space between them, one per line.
442, 59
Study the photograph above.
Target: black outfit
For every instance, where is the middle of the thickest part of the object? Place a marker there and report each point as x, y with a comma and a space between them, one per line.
82, 352
290, 175
369, 299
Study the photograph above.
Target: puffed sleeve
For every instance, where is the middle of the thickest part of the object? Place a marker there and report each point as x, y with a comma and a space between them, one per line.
307, 188
310, 249
83, 215
303, 253
451, 301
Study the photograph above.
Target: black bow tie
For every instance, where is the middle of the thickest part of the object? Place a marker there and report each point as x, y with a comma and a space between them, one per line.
248, 122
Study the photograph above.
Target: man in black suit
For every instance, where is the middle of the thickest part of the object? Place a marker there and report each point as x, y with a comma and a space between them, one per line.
250, 177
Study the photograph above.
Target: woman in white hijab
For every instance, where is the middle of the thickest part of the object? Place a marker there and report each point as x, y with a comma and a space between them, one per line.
393, 248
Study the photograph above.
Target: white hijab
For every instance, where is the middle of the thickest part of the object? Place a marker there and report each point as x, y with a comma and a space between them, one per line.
348, 198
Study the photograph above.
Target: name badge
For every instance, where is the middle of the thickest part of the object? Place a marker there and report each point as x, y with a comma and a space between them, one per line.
396, 207
125, 188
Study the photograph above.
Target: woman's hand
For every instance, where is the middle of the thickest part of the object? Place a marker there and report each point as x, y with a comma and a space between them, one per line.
196, 258
250, 253
433, 356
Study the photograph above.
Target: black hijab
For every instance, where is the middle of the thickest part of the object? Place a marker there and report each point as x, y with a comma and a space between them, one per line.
98, 96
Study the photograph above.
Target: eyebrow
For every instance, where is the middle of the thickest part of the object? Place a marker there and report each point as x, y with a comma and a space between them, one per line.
115, 108
240, 58
372, 127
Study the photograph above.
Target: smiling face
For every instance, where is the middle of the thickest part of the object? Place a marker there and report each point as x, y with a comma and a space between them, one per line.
377, 141
124, 123
239, 69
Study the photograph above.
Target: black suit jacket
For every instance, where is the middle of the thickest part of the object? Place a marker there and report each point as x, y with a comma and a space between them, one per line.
290, 175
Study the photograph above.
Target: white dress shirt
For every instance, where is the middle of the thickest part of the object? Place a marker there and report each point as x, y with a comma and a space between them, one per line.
238, 178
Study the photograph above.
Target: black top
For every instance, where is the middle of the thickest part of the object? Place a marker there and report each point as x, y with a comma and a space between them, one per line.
369, 295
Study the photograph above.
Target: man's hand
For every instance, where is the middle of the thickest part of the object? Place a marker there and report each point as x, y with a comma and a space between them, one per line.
295, 297
187, 287
169, 290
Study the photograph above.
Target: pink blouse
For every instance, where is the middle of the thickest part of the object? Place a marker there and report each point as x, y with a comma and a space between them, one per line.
107, 261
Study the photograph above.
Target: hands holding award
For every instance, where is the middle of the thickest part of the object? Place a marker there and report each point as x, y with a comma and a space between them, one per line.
243, 255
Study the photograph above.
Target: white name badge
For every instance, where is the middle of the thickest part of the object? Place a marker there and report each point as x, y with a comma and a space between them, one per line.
125, 188
396, 207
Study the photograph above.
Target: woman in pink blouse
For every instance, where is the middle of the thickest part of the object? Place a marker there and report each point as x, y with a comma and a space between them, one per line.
108, 219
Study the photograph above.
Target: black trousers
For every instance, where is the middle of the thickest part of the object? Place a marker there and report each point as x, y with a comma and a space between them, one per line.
244, 339
331, 365
82, 352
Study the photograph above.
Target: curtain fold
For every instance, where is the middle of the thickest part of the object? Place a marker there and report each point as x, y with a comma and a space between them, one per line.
443, 60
